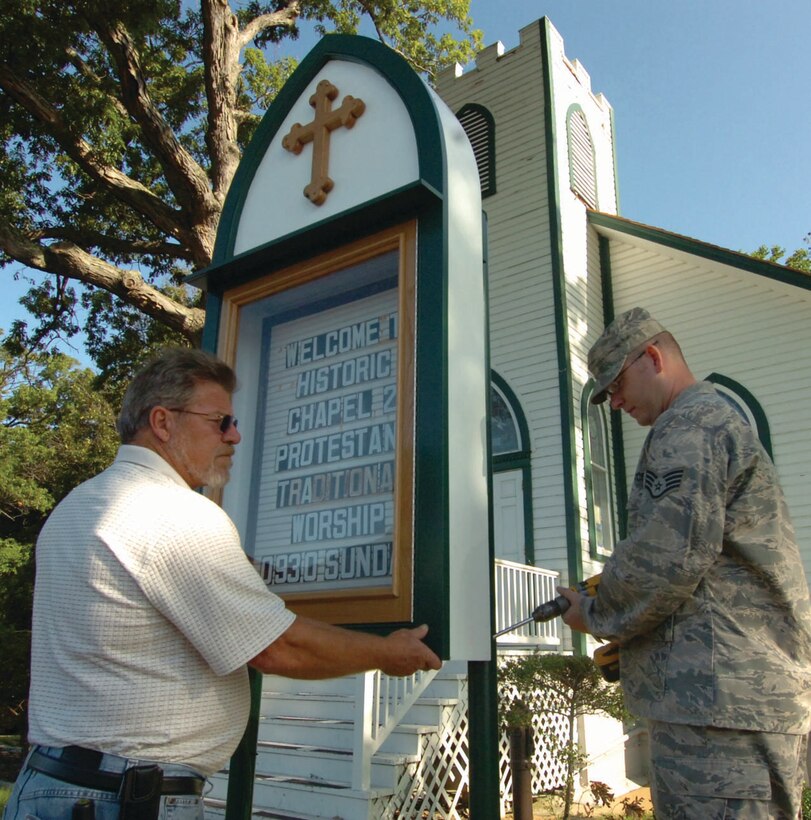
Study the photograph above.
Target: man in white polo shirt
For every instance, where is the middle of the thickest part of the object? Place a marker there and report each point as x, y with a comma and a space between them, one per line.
147, 613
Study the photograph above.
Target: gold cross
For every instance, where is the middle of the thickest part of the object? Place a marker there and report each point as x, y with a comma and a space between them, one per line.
325, 121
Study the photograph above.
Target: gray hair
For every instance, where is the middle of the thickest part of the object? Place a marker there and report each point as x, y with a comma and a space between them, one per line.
169, 380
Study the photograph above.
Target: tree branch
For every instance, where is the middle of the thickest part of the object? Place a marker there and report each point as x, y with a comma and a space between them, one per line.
86, 71
222, 45
286, 17
137, 196
381, 35
186, 178
221, 68
112, 244
68, 259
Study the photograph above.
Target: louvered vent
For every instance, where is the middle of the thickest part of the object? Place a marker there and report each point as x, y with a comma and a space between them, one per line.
480, 129
582, 170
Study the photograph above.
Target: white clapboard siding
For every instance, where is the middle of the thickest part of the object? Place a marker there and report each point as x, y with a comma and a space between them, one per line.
523, 342
747, 327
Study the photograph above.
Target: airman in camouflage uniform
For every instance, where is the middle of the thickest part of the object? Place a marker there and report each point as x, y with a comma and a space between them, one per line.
706, 595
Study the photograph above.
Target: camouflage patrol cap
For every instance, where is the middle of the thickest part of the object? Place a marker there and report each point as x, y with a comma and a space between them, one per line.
609, 353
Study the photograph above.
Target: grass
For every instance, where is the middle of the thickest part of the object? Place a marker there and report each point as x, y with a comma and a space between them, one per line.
9, 765
633, 806
5, 793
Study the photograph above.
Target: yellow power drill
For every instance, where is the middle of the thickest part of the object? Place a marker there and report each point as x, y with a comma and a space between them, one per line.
557, 606
606, 657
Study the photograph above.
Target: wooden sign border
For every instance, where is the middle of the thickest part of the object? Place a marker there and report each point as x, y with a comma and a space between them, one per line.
394, 602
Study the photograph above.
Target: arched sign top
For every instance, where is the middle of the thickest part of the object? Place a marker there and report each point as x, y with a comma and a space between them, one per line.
352, 126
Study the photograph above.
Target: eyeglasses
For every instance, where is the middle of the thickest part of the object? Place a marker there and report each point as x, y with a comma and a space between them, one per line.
617, 383
225, 422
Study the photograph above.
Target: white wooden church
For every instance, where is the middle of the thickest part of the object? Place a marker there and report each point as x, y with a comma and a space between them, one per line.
561, 261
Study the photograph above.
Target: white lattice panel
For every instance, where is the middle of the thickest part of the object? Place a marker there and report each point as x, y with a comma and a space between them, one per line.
547, 771
437, 785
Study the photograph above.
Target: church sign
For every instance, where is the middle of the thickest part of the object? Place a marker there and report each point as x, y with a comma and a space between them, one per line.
347, 291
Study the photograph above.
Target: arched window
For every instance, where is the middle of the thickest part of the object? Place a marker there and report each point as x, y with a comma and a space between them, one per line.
481, 131
599, 493
512, 492
506, 435
582, 161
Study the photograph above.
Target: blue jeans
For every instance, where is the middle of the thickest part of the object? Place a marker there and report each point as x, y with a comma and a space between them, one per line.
39, 796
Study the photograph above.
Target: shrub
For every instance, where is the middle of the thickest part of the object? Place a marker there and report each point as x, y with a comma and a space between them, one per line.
572, 687
14, 681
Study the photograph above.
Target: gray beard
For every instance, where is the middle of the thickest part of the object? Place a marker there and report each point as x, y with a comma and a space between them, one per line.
216, 479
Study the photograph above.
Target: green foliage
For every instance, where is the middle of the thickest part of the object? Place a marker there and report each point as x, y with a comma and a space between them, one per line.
263, 82
14, 681
120, 339
5, 793
121, 127
16, 586
411, 27
575, 683
799, 260
56, 430
572, 687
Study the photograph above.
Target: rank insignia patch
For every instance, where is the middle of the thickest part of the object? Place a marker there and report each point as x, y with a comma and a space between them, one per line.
658, 485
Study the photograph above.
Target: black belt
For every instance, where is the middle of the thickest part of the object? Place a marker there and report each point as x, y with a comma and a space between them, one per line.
73, 768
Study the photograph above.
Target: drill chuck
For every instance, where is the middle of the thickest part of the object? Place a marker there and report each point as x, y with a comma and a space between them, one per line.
557, 606
549, 610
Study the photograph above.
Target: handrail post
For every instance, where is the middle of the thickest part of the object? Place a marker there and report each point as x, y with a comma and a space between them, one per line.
365, 699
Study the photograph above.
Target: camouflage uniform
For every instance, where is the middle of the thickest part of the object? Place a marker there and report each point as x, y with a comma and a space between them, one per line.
704, 773
708, 599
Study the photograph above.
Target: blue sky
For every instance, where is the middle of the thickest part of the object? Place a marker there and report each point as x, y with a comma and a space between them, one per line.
710, 103
711, 110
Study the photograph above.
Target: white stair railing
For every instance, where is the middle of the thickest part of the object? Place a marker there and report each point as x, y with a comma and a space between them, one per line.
519, 589
381, 702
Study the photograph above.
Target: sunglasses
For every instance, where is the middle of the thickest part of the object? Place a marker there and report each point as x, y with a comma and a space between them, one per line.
224, 422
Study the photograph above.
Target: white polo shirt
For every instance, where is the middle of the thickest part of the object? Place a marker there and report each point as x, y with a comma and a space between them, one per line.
146, 610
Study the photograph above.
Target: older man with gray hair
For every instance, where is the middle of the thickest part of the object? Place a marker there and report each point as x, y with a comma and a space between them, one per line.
706, 594
147, 614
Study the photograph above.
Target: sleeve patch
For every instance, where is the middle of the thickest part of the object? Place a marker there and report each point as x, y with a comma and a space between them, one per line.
659, 485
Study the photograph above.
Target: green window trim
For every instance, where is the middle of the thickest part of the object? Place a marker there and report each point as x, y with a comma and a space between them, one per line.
749, 404
605, 530
519, 459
